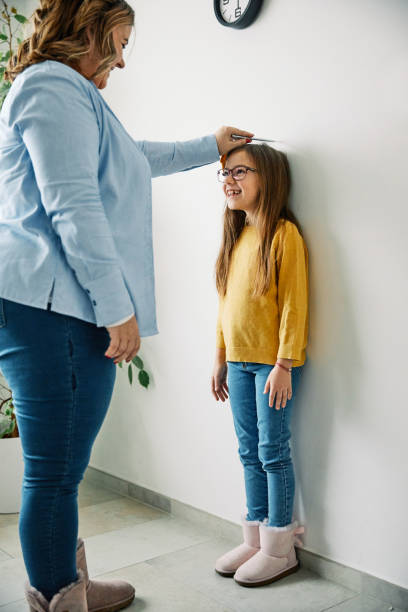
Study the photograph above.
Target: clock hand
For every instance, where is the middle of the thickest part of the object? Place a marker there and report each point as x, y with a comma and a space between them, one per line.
238, 137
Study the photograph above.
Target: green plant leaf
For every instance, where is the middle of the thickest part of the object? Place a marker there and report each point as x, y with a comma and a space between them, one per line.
6, 57
144, 378
20, 18
130, 373
12, 427
6, 425
3, 37
138, 362
120, 364
4, 88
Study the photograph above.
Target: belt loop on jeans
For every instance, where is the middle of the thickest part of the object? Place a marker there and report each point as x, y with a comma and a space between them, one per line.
244, 364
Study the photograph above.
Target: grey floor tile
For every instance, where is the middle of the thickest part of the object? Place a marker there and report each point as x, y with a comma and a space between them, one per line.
13, 576
4, 556
303, 591
90, 494
8, 519
114, 514
385, 591
10, 541
158, 592
96, 519
115, 549
363, 603
331, 570
17, 606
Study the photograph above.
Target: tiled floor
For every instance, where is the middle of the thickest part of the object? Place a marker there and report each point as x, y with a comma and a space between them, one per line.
170, 563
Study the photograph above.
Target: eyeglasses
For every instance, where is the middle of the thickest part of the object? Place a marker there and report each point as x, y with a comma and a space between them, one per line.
238, 173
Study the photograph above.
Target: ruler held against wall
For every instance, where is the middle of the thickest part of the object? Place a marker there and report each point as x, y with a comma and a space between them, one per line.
238, 137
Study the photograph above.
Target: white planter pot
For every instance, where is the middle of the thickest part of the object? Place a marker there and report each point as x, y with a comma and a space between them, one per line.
11, 474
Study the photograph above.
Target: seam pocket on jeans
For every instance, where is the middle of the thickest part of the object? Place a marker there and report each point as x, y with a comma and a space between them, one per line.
2, 316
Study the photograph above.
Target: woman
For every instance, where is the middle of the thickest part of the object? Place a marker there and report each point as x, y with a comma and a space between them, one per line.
76, 271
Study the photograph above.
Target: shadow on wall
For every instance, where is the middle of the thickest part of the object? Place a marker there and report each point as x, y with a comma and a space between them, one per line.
330, 386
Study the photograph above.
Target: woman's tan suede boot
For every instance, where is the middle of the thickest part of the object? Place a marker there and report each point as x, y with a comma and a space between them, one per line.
69, 599
103, 596
228, 564
276, 559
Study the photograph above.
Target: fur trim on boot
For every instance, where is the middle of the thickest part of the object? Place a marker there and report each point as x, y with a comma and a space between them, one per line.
228, 564
104, 595
71, 598
276, 558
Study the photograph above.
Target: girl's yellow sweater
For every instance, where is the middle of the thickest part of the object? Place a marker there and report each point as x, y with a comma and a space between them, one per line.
275, 325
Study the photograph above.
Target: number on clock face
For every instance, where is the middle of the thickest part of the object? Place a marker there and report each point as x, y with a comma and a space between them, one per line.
232, 10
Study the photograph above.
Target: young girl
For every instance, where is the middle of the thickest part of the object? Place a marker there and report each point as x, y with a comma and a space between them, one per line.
262, 281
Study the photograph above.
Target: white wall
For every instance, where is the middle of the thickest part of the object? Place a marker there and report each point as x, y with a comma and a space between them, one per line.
329, 78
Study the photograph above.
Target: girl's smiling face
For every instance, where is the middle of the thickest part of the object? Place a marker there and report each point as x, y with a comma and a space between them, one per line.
242, 194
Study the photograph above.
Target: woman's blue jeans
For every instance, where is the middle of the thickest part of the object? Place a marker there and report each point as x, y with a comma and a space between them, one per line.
62, 385
263, 437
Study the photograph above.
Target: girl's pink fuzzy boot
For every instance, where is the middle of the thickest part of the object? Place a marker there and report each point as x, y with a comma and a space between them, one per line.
228, 564
275, 559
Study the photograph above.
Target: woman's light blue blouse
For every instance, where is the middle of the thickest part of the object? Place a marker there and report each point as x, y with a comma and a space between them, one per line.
75, 200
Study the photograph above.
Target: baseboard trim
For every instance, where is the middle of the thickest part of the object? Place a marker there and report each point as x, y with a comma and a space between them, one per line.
356, 580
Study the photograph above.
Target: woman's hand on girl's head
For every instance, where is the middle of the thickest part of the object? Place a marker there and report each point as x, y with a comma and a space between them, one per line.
225, 141
219, 387
125, 341
279, 385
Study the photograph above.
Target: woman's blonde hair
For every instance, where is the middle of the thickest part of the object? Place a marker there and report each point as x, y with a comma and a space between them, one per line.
273, 206
60, 33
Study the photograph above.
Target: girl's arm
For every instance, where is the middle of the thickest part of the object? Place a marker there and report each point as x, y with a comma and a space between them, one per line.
293, 310
292, 294
220, 342
219, 386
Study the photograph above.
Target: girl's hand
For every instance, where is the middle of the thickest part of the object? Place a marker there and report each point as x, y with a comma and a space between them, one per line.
225, 142
279, 385
125, 341
219, 385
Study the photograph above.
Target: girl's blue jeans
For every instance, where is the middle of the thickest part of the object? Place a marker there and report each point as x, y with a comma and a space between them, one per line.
263, 438
62, 385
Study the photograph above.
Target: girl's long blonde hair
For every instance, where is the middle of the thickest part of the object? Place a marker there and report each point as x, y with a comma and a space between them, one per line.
60, 33
273, 206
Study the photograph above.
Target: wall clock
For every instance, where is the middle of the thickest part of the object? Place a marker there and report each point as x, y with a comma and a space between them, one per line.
237, 13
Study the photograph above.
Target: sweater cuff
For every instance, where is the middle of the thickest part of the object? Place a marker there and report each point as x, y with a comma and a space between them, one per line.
287, 351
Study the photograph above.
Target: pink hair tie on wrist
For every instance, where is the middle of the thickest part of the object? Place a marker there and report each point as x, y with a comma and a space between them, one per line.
282, 366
